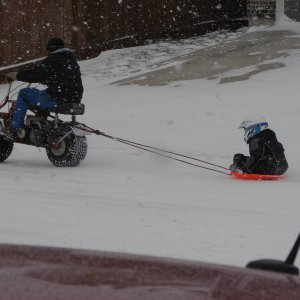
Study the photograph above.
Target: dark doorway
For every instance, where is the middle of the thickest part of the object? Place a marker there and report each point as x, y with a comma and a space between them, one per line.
292, 9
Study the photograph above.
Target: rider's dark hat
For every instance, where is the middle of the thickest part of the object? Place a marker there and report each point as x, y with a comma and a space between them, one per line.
55, 44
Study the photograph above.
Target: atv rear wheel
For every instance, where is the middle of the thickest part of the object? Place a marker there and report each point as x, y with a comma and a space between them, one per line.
65, 148
6, 147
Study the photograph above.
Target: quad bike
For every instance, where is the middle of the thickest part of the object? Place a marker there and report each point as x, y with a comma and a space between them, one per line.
65, 142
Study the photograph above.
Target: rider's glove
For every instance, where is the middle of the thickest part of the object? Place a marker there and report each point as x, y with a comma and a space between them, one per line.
233, 168
12, 76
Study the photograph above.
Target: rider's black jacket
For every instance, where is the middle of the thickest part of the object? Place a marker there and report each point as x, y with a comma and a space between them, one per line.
60, 73
266, 155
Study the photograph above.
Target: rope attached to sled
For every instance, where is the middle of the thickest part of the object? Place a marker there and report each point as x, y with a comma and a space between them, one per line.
158, 151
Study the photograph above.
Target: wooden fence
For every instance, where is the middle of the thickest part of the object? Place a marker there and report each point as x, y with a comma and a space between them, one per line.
92, 26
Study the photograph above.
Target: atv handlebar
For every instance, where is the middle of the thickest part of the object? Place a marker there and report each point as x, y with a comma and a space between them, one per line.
6, 98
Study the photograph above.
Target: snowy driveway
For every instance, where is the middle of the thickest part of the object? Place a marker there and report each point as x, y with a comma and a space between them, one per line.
125, 200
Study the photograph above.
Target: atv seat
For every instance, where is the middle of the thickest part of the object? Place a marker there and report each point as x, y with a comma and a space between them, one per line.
69, 109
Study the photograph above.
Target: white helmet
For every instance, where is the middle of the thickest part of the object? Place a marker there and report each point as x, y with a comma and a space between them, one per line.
253, 125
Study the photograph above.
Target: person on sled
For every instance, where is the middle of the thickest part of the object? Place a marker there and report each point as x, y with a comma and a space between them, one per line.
59, 71
266, 153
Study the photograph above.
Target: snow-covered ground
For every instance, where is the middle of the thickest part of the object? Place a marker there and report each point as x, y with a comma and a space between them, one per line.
125, 200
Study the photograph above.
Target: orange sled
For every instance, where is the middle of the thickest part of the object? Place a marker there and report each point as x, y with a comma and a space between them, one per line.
256, 176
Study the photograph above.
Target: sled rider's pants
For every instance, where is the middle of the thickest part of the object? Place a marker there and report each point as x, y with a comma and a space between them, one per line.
30, 97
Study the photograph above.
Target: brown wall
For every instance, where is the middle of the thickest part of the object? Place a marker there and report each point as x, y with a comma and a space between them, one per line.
93, 26
262, 9
26, 26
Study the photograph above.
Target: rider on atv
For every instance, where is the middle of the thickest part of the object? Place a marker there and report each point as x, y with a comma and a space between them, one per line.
59, 71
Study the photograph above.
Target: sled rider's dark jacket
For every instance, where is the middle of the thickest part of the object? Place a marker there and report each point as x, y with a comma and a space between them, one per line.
266, 155
60, 73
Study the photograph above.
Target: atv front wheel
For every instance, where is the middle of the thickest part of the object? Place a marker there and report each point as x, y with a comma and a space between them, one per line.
66, 149
6, 147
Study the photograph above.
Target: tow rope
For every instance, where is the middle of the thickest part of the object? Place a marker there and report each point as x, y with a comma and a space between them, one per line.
155, 150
